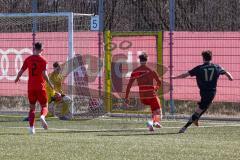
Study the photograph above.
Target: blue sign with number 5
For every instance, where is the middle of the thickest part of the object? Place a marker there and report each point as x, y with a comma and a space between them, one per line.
95, 23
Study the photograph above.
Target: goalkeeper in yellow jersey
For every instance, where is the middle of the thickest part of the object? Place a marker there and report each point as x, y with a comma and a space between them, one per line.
59, 103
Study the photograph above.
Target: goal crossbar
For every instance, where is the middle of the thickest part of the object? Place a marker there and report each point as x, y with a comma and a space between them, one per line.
52, 14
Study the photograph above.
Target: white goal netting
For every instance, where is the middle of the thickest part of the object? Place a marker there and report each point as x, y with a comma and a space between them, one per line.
64, 36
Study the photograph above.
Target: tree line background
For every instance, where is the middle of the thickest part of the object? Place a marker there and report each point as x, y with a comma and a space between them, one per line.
144, 15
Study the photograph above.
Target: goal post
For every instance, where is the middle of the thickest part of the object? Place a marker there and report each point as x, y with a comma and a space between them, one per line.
63, 34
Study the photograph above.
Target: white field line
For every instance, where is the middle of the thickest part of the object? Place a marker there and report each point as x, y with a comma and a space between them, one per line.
109, 130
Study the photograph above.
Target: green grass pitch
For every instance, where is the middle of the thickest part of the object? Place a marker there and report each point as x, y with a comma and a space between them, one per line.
118, 139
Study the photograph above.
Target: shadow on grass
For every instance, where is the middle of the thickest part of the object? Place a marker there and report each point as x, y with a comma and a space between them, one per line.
53, 131
140, 134
12, 134
121, 132
132, 133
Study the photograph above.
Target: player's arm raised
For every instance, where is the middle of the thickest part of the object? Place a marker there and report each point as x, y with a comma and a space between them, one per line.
45, 76
228, 74
183, 75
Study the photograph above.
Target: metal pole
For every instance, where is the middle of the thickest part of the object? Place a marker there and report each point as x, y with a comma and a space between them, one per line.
172, 25
100, 34
70, 56
34, 25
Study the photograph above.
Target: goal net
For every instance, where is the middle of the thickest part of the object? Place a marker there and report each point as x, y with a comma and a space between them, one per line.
67, 39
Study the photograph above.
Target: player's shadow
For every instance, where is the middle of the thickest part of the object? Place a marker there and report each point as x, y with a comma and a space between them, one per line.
54, 131
120, 132
12, 134
91, 131
138, 134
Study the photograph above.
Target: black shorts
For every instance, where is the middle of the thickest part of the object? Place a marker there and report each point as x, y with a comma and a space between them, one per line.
206, 99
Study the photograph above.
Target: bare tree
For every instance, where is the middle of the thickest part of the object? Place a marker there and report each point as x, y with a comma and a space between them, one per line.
148, 15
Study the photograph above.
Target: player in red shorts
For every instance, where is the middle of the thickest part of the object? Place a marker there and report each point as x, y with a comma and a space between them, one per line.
145, 78
37, 73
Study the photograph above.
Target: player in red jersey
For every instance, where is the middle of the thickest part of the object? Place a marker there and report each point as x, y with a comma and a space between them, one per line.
37, 73
145, 78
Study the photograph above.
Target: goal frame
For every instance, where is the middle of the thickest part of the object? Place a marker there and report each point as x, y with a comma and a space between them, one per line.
70, 21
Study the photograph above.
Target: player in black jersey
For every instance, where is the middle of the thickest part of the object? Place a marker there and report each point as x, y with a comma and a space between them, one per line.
207, 75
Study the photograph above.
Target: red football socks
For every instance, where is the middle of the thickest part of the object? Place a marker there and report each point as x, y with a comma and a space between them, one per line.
44, 111
31, 116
